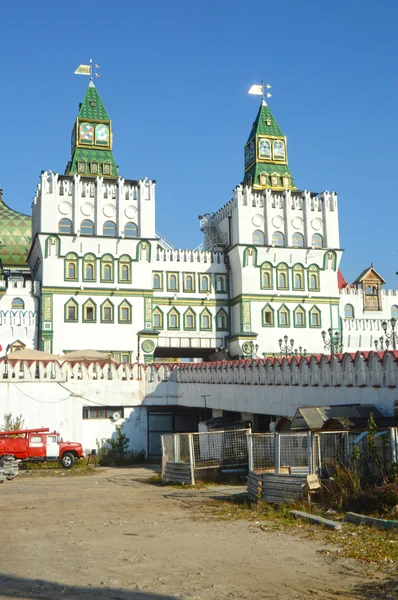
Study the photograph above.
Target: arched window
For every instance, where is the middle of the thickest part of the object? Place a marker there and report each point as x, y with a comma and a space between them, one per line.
266, 276
394, 312
278, 239
107, 272
124, 269
65, 226
89, 312
188, 283
18, 303
71, 311
313, 278
189, 319
109, 228
299, 317
220, 283
298, 240
124, 273
279, 150
157, 281
172, 283
282, 277
173, 319
258, 238
317, 240
349, 311
131, 230
87, 227
204, 281
88, 271
298, 277
125, 312
315, 317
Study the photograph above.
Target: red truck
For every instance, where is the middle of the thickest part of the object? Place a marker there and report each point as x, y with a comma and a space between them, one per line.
38, 445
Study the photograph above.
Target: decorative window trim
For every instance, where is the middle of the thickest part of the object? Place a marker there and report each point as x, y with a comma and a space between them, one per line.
268, 268
268, 308
107, 303
300, 309
88, 261
298, 269
177, 275
206, 312
71, 258
52, 240
106, 168
95, 168
203, 277
225, 284
223, 313
252, 250
92, 304
311, 312
353, 311
279, 158
185, 289
71, 302
125, 304
171, 312
282, 268
105, 260
189, 312
160, 288
124, 261
313, 270
158, 311
283, 308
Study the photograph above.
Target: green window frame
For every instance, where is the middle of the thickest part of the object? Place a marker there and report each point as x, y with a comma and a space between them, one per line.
125, 312
89, 268
173, 282
298, 277
282, 277
189, 320
268, 316
173, 319
313, 278
266, 276
157, 318
71, 314
221, 283
124, 274
315, 311
157, 276
284, 316
204, 288
221, 320
107, 312
89, 310
189, 282
107, 269
206, 323
299, 316
71, 267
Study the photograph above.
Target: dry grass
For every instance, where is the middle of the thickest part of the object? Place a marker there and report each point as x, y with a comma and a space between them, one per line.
367, 544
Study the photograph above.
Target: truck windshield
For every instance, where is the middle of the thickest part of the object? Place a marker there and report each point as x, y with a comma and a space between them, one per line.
59, 439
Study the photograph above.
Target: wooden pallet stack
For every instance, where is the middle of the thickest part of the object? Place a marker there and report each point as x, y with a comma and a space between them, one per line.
278, 488
178, 473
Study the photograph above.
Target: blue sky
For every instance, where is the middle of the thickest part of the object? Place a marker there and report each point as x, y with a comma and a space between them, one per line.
174, 79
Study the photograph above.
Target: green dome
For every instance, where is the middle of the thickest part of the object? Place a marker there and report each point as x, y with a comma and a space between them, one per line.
15, 237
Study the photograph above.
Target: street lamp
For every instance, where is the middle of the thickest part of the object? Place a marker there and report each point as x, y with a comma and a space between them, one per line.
390, 338
334, 342
286, 349
250, 349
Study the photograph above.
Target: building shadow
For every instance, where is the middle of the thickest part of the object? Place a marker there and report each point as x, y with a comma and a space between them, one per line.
377, 590
40, 589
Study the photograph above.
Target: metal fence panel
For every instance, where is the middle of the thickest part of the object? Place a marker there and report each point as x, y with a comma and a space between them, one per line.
220, 449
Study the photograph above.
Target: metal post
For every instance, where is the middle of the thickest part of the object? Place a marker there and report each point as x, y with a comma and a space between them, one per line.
250, 451
191, 457
277, 453
394, 443
311, 453
163, 457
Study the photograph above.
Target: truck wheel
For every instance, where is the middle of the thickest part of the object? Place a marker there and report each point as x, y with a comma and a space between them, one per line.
5, 459
68, 460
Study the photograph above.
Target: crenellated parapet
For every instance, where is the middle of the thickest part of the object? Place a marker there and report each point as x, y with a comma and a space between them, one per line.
361, 369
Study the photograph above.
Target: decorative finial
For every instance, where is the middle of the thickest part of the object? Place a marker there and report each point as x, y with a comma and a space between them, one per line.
258, 90
87, 70
371, 265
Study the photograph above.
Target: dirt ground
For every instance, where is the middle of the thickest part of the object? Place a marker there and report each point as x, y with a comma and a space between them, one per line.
114, 536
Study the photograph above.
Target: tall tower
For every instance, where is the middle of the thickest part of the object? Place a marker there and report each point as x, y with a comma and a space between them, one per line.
92, 139
266, 164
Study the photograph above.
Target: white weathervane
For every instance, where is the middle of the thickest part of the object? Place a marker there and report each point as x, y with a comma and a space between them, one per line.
87, 70
258, 90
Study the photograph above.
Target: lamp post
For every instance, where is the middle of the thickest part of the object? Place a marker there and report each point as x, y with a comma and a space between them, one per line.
285, 348
333, 343
389, 338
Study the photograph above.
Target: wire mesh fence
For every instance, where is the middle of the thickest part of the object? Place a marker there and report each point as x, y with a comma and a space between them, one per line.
280, 453
226, 450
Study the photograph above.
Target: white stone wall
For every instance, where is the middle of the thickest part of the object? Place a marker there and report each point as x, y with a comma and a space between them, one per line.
18, 324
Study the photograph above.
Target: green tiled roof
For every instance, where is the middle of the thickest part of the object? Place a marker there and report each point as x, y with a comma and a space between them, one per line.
92, 107
269, 168
15, 237
260, 126
89, 155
